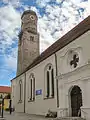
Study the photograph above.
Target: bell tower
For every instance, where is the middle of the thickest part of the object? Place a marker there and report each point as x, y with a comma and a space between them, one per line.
28, 45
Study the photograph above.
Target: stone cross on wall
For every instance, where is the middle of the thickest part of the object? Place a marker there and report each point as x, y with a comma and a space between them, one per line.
75, 61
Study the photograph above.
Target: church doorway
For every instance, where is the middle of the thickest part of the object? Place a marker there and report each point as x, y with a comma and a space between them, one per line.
76, 101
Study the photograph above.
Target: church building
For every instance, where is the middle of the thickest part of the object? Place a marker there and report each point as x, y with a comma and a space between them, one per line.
56, 80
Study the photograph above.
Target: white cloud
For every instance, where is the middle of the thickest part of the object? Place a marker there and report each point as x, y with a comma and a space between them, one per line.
15, 3
35, 10
42, 3
9, 24
11, 59
51, 26
11, 62
58, 20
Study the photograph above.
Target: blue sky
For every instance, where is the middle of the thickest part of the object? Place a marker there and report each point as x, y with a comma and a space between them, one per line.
55, 18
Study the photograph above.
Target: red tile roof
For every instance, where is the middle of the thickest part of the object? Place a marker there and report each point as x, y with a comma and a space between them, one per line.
5, 89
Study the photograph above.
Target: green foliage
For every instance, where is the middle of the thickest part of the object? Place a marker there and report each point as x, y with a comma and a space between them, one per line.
7, 109
8, 96
1, 96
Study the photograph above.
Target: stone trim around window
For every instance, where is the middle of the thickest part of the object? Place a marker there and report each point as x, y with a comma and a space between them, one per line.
31, 100
31, 88
20, 91
49, 82
20, 101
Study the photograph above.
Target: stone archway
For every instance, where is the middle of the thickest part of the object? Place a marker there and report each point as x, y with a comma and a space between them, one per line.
76, 101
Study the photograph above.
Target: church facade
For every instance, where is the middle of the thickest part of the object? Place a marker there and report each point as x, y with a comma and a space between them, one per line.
57, 79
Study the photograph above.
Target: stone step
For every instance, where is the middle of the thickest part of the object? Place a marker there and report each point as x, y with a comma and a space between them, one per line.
70, 118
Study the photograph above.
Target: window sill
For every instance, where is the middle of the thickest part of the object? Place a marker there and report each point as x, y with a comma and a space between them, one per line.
20, 101
31, 100
48, 98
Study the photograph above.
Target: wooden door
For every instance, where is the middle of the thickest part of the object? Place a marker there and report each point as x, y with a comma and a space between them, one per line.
76, 100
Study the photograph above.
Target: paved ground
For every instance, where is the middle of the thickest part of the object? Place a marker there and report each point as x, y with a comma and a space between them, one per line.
15, 116
22, 116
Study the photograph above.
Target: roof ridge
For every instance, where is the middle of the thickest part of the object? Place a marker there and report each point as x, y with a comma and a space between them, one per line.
70, 36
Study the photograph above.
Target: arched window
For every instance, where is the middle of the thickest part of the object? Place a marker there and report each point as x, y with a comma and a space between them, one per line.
20, 91
49, 81
31, 88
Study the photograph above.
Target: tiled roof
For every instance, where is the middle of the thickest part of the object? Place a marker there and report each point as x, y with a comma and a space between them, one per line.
76, 32
5, 89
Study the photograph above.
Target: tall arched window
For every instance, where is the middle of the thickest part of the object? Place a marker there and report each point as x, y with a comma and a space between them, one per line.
49, 81
20, 91
31, 88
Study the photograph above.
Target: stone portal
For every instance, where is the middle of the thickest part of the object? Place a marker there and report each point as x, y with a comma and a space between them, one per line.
76, 101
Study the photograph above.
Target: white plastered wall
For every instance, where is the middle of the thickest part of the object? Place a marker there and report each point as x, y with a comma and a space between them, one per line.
13, 85
41, 105
67, 78
80, 76
19, 106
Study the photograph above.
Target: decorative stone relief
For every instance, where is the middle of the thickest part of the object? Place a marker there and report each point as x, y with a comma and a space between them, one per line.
73, 59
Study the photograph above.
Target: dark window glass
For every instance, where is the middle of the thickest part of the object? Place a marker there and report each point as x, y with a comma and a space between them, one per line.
31, 89
48, 84
31, 38
20, 86
32, 92
49, 67
52, 78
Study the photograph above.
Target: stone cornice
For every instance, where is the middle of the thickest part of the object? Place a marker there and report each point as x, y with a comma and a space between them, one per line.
79, 69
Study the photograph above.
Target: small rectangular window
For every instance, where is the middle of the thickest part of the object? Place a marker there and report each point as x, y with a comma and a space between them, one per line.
31, 38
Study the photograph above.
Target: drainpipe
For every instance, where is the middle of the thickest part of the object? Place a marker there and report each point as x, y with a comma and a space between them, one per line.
25, 93
57, 80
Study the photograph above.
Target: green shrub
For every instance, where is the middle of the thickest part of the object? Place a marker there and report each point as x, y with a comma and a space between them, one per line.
7, 109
